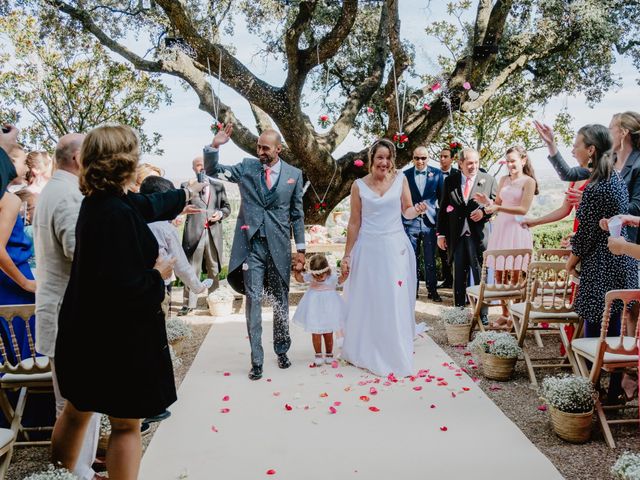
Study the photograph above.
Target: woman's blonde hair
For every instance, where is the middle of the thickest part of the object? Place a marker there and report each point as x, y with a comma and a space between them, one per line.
630, 121
319, 265
108, 159
37, 160
383, 142
145, 170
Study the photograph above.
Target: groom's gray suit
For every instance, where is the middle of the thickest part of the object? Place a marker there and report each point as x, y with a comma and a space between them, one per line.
260, 262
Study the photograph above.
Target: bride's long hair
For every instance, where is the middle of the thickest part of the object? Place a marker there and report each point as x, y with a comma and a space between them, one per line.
383, 142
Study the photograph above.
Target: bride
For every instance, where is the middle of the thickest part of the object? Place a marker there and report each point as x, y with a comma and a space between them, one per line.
381, 288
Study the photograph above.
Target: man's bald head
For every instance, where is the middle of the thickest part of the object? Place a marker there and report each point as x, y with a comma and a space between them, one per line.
269, 146
68, 151
198, 164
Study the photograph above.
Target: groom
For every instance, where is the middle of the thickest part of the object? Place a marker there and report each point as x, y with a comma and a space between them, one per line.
260, 263
463, 226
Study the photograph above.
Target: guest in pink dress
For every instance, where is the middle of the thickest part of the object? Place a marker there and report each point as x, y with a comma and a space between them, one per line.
515, 194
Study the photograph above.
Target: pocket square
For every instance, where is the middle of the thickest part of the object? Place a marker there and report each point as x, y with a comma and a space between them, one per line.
291, 180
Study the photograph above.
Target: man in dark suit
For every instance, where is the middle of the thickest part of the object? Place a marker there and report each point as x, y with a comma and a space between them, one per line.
446, 167
463, 229
425, 184
202, 238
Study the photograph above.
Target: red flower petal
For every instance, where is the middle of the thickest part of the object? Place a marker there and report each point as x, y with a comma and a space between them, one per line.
288, 407
337, 404
332, 410
373, 391
226, 374
364, 398
334, 364
324, 394
271, 472
225, 410
453, 395
542, 408
225, 398
244, 227
466, 389
426, 106
432, 406
400, 283
214, 429
443, 428
417, 389
374, 409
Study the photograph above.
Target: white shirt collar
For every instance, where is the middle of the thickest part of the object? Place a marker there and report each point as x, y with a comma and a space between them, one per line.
275, 168
66, 176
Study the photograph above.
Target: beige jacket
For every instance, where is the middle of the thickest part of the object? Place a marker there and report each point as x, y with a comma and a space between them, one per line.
54, 229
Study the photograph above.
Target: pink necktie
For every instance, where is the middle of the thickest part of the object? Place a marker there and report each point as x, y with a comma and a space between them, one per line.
267, 175
467, 188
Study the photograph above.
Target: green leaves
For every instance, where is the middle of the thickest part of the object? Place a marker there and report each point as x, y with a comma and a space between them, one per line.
71, 84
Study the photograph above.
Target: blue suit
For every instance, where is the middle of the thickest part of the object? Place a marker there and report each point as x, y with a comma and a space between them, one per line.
422, 230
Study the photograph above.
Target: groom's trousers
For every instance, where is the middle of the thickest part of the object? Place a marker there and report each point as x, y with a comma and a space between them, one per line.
466, 257
262, 280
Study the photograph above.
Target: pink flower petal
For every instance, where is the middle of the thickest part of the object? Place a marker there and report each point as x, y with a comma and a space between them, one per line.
324, 394
364, 398
542, 408
334, 364
374, 409
244, 227
495, 387
214, 429
432, 406
337, 404
427, 107
400, 283
332, 410
339, 375
288, 407
276, 394
443, 428
225, 410
435, 87
226, 374
466, 86
417, 389
373, 391
271, 472
225, 398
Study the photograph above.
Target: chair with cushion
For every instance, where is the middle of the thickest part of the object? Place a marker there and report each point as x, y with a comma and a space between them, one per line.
8, 436
548, 303
509, 289
611, 355
22, 371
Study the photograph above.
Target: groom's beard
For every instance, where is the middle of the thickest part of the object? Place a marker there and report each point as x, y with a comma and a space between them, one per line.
266, 159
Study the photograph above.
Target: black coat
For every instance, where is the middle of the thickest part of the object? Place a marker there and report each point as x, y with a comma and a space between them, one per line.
453, 210
111, 353
195, 224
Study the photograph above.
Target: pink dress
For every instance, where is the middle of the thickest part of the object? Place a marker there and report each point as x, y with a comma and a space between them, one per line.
506, 233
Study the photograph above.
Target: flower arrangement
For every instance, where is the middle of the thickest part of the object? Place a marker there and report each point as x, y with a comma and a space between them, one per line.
177, 329
222, 294
500, 344
627, 467
568, 393
456, 316
456, 148
323, 120
216, 127
400, 139
52, 473
320, 207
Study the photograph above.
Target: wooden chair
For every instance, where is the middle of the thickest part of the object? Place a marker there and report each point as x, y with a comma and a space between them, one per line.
609, 354
8, 436
552, 254
23, 374
510, 288
548, 301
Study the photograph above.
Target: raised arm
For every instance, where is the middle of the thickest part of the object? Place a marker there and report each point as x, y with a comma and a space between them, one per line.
565, 172
160, 206
559, 213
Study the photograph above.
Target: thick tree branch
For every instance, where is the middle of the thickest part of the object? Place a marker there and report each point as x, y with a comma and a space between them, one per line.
263, 121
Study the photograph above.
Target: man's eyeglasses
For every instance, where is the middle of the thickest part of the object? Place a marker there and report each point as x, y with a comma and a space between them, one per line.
421, 158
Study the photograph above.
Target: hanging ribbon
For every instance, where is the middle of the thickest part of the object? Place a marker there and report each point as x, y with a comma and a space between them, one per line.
323, 119
321, 205
216, 126
400, 139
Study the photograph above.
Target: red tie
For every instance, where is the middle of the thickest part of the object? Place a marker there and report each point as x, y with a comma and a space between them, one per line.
467, 188
267, 177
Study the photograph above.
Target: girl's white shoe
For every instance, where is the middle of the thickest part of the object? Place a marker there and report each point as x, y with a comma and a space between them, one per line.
328, 358
318, 360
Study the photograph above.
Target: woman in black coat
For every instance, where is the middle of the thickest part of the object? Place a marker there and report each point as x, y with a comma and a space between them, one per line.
111, 354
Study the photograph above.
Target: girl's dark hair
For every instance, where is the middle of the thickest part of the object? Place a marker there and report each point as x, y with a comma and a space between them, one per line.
155, 184
598, 136
527, 169
318, 262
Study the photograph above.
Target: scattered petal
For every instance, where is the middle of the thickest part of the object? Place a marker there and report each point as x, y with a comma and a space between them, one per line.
432, 406
466, 86
542, 408
374, 409
324, 394
364, 398
418, 388
288, 407
443, 428
373, 391
226, 374
276, 394
426, 106
337, 404
400, 283
268, 379
435, 87
244, 227
339, 375
453, 395
271, 472
225, 398
225, 410
214, 429
495, 387
334, 364
332, 410
466, 389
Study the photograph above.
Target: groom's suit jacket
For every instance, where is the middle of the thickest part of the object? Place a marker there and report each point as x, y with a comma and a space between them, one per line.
430, 195
278, 210
454, 210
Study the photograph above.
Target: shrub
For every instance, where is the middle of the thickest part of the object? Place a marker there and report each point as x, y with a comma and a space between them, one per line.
627, 467
177, 329
568, 393
500, 344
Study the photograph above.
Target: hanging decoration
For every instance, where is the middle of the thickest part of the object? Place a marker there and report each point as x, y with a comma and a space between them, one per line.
321, 205
323, 119
216, 126
400, 138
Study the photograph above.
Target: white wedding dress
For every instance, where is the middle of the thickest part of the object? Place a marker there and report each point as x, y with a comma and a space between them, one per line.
380, 292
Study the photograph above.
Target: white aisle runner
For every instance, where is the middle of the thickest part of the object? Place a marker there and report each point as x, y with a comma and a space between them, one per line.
440, 425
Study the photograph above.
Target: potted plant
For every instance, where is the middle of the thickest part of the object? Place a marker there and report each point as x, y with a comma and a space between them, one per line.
570, 399
627, 467
177, 331
221, 301
457, 323
499, 353
52, 473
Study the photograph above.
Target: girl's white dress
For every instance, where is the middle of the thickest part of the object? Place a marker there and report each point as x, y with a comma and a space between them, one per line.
321, 308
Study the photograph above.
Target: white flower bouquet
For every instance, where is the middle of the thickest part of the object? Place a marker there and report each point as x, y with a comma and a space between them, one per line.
222, 294
568, 393
627, 467
52, 473
500, 344
456, 316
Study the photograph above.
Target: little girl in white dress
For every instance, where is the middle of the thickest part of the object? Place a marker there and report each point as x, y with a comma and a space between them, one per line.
321, 309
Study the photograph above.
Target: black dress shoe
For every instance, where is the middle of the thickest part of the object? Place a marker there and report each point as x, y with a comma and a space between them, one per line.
435, 297
484, 319
158, 418
184, 311
283, 361
144, 428
256, 372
